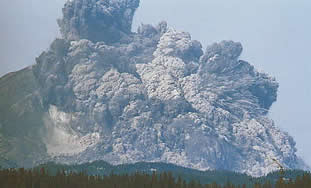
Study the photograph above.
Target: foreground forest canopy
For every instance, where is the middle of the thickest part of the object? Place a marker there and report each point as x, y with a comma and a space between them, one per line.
40, 178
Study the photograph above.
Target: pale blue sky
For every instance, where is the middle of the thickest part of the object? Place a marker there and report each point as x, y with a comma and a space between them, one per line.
276, 36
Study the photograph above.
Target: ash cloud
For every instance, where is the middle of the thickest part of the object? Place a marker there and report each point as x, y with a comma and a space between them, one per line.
132, 88
98, 20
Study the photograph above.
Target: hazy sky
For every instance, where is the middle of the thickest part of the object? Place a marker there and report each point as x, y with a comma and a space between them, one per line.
276, 36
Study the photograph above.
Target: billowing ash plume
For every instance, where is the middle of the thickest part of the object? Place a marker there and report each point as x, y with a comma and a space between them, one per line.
105, 20
154, 95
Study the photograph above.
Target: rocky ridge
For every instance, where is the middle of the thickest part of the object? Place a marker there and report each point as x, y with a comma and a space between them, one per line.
153, 95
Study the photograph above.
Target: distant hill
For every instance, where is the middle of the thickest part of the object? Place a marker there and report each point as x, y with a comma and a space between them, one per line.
205, 177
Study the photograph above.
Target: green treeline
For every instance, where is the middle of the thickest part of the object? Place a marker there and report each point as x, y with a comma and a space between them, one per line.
22, 178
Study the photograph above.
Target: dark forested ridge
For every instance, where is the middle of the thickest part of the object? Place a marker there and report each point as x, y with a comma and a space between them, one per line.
151, 175
104, 169
41, 178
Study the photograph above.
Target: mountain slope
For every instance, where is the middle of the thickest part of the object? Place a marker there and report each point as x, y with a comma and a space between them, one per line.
20, 120
103, 92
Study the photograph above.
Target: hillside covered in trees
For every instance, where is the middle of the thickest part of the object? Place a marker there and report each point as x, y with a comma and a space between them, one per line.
40, 178
144, 175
